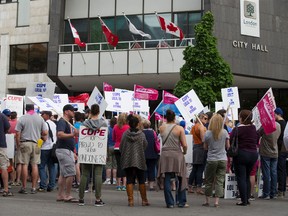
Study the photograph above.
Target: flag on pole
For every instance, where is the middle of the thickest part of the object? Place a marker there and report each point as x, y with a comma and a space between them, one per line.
111, 38
145, 93
82, 98
158, 116
266, 107
134, 30
169, 98
76, 36
170, 27
107, 87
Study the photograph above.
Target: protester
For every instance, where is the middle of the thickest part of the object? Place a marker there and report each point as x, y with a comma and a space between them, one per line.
199, 154
4, 160
65, 154
132, 149
29, 129
269, 154
282, 154
151, 152
247, 154
93, 123
118, 131
46, 160
216, 140
172, 161
111, 164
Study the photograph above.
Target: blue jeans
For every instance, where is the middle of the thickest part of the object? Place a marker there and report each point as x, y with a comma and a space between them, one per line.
180, 195
197, 175
269, 171
46, 161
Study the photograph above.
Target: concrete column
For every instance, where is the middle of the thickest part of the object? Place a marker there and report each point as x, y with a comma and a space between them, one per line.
4, 63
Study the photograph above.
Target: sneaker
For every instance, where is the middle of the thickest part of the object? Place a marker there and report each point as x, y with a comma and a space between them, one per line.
41, 189
264, 197
81, 202
273, 197
22, 191
50, 189
123, 188
87, 191
251, 198
33, 191
184, 206
280, 194
99, 203
114, 181
107, 182
118, 188
17, 183
238, 196
7, 193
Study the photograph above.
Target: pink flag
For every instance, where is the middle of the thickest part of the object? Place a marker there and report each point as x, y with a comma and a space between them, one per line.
158, 116
169, 98
145, 93
266, 107
76, 36
170, 27
107, 87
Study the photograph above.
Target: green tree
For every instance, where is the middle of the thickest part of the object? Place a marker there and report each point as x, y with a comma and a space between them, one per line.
204, 69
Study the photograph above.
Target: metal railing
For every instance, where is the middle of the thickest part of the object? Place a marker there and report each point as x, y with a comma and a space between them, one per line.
128, 45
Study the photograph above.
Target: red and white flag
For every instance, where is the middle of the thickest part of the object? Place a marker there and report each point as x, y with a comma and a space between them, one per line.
76, 36
266, 107
169, 98
145, 93
170, 27
134, 30
111, 38
107, 87
82, 98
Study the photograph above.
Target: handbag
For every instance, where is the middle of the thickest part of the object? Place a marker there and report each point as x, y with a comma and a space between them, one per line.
53, 153
157, 143
233, 149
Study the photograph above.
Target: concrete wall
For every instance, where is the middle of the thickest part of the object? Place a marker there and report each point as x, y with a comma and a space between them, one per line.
273, 34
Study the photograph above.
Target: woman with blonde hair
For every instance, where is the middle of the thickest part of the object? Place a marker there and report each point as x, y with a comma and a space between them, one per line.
117, 134
215, 141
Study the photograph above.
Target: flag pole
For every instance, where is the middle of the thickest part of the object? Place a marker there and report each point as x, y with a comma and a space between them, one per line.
165, 38
106, 41
133, 38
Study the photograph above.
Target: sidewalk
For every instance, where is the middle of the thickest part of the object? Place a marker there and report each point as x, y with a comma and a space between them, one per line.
44, 204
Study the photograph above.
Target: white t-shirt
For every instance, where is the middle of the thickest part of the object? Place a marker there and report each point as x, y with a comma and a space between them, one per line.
48, 144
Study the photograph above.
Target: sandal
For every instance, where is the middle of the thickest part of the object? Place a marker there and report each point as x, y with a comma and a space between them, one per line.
216, 205
206, 204
7, 193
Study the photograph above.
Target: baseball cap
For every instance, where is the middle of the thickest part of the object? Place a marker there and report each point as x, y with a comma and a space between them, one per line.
69, 107
47, 112
279, 111
6, 112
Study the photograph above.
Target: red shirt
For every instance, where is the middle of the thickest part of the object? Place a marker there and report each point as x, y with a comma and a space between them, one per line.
117, 134
12, 126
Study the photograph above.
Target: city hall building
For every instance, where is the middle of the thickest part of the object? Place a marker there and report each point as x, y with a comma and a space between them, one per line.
251, 36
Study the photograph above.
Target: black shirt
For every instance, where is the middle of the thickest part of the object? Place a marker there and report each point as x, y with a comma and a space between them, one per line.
4, 127
65, 143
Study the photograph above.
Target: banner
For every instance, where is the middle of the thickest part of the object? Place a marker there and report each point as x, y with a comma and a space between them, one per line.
189, 155
107, 87
189, 105
42, 103
145, 93
232, 113
169, 98
266, 107
10, 140
231, 187
15, 103
42, 89
82, 98
250, 18
97, 98
230, 96
92, 145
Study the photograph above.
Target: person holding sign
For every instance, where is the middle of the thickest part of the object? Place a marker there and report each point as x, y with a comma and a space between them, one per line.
172, 161
94, 123
132, 149
216, 140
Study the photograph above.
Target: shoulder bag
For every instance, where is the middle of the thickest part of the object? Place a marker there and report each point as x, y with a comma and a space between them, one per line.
233, 149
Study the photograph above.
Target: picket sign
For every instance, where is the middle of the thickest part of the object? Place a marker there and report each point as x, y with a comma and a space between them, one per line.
10, 140
232, 113
230, 96
97, 98
260, 183
93, 145
61, 100
231, 187
14, 103
42, 89
189, 154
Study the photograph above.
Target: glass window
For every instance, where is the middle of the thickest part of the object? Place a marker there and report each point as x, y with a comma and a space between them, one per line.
180, 19
248, 98
28, 58
152, 27
193, 19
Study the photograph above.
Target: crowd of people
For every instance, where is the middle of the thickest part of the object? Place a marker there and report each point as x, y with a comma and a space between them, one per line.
46, 152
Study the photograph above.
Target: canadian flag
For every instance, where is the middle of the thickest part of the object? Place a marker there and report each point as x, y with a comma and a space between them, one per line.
76, 36
170, 27
111, 38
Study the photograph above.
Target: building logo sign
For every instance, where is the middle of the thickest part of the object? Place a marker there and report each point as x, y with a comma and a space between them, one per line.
250, 21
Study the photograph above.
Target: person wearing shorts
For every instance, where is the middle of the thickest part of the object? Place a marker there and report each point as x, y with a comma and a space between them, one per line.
29, 129
65, 154
4, 161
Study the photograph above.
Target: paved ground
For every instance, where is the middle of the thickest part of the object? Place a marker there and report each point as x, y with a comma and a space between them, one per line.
44, 204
